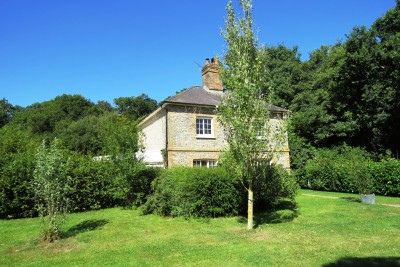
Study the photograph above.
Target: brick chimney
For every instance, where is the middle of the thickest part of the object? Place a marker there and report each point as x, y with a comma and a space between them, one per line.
211, 76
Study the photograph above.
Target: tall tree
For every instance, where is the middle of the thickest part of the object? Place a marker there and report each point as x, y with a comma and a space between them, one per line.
6, 112
284, 75
44, 118
244, 112
135, 107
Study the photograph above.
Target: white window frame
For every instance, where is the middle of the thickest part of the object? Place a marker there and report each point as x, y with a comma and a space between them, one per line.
203, 124
208, 163
262, 134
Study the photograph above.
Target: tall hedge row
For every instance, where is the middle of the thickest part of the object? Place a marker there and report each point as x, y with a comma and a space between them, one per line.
346, 169
201, 192
386, 174
194, 192
95, 183
92, 184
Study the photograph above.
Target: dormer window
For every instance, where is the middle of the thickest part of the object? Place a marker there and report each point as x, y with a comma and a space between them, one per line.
204, 127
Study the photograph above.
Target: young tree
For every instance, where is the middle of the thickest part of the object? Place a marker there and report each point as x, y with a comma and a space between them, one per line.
244, 112
51, 188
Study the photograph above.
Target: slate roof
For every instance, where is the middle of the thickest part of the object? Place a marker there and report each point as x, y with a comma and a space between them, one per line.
198, 95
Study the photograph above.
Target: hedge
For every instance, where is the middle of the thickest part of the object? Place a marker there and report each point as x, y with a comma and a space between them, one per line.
346, 169
92, 184
202, 192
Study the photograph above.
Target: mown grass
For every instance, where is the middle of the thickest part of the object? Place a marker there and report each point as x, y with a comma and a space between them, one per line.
326, 232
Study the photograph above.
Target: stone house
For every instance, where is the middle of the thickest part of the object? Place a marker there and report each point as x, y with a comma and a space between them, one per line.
184, 130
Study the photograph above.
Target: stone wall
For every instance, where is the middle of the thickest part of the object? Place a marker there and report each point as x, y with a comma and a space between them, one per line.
183, 144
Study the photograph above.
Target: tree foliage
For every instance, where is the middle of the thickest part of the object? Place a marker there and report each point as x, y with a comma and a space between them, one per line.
284, 74
350, 91
6, 112
135, 107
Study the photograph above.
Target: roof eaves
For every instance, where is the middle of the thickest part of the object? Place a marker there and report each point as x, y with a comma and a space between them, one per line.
188, 104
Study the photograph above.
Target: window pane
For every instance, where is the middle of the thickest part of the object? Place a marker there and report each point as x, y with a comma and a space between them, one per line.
205, 163
212, 163
203, 126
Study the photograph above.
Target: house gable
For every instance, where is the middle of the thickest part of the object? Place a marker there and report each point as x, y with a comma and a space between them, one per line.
153, 137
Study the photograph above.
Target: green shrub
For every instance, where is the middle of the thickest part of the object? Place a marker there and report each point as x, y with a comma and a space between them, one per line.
92, 183
17, 161
274, 184
194, 192
201, 192
16, 194
139, 179
109, 182
340, 169
347, 169
386, 174
325, 172
356, 164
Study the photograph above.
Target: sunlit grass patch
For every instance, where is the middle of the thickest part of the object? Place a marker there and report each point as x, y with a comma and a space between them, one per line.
323, 231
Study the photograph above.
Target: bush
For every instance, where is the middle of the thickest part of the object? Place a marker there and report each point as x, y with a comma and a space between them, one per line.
335, 169
347, 169
386, 174
139, 179
16, 194
17, 161
108, 182
274, 184
194, 192
201, 192
92, 184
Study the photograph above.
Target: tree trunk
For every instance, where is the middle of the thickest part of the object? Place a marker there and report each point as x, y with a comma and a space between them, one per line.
250, 209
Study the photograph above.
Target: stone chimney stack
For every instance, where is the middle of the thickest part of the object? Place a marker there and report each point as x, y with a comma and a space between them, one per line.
211, 76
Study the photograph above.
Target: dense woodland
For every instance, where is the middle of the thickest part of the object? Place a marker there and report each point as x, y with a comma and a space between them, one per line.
345, 96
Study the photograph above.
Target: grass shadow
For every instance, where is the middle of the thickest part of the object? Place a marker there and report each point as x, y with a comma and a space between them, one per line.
351, 199
85, 226
369, 261
241, 220
273, 217
283, 211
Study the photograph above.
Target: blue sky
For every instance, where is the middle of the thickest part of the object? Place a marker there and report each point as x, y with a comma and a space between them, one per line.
104, 49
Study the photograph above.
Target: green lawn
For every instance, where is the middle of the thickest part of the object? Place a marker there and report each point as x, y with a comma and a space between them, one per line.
326, 232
